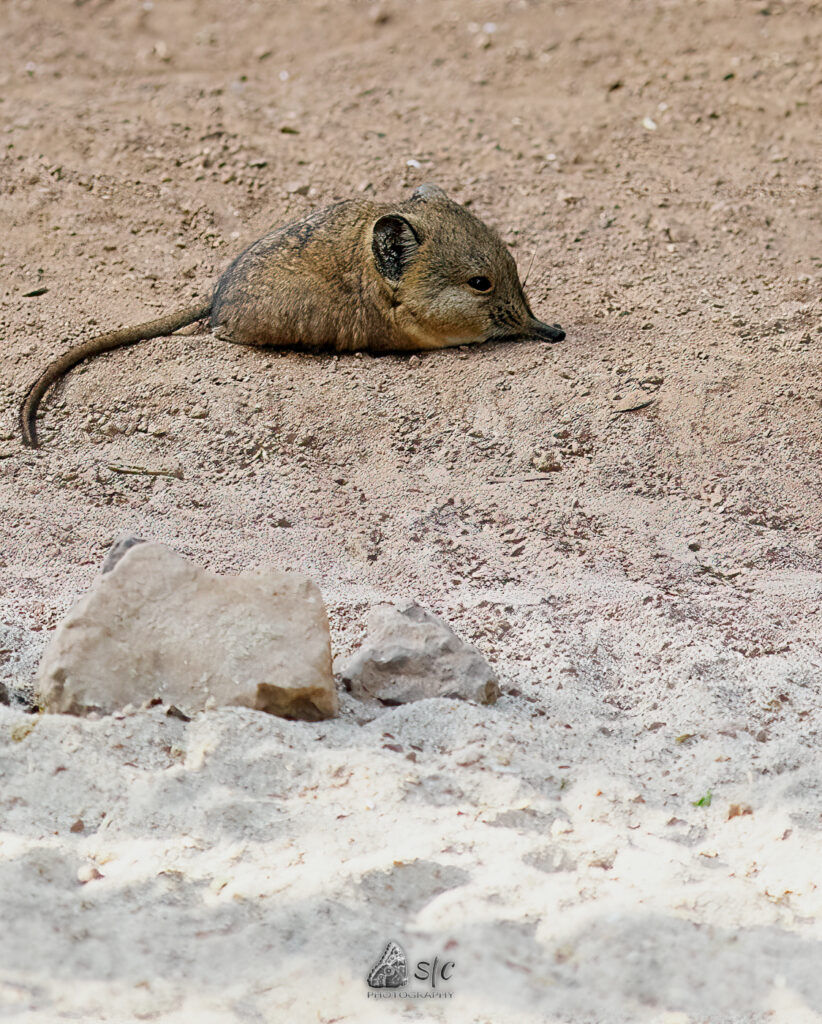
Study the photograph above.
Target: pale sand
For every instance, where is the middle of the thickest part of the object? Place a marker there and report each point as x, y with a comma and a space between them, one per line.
253, 869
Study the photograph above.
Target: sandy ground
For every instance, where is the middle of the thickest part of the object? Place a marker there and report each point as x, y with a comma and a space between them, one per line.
648, 584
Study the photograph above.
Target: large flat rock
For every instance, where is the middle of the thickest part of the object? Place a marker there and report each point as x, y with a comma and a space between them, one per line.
159, 626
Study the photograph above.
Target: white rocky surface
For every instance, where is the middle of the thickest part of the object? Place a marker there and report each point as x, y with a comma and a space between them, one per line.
253, 868
409, 654
155, 625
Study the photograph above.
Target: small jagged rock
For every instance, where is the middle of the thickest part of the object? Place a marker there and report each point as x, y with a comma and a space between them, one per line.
88, 873
118, 549
158, 626
410, 654
634, 400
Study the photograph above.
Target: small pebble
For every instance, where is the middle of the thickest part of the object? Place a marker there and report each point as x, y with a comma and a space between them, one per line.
88, 873
634, 400
739, 810
379, 14
546, 462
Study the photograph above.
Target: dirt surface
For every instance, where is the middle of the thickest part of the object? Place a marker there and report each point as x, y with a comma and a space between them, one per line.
647, 580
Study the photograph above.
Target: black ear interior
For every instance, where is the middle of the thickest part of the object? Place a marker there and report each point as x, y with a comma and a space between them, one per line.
394, 244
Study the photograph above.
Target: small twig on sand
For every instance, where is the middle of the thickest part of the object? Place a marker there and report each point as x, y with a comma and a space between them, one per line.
518, 479
121, 467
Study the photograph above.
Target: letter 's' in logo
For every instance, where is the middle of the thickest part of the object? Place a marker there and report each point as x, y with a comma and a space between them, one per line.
391, 970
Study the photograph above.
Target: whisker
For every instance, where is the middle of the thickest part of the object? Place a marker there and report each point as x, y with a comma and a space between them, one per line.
530, 265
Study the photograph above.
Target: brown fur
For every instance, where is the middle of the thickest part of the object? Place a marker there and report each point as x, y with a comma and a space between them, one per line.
356, 275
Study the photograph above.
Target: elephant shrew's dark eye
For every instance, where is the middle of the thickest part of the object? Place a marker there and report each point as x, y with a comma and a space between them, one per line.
479, 284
